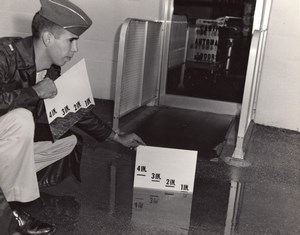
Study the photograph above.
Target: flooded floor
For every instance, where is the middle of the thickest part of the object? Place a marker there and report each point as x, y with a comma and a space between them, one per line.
261, 199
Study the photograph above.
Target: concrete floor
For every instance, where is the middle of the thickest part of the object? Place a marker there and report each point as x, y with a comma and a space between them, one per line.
261, 199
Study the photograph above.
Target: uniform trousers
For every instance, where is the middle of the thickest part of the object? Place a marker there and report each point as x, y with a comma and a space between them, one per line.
21, 157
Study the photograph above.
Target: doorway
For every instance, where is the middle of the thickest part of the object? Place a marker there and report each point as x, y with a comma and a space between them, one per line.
217, 49
214, 87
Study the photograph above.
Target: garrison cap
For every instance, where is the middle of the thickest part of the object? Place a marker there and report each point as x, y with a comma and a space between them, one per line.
65, 14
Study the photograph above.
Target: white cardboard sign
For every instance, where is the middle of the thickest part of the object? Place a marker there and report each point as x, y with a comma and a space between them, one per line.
73, 93
165, 169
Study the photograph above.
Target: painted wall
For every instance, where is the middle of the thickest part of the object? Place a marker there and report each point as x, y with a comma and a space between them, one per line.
98, 45
279, 92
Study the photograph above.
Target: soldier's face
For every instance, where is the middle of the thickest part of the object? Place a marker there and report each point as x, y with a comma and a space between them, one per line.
63, 48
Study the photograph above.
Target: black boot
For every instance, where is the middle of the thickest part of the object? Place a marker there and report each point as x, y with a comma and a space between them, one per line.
29, 225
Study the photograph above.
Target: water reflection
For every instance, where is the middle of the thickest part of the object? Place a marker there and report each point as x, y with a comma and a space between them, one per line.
214, 207
233, 208
162, 210
179, 213
226, 200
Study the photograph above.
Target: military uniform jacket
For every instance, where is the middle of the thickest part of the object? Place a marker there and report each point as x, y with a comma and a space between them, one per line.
18, 75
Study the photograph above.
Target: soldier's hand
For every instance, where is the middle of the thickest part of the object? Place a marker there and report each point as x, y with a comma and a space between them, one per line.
129, 140
45, 88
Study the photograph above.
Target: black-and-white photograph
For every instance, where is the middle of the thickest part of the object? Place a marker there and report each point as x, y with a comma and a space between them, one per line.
149, 117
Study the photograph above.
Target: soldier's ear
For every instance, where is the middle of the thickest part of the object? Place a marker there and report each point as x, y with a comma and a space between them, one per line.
47, 38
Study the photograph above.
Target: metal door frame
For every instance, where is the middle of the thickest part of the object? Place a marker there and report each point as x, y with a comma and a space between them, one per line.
246, 110
253, 76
